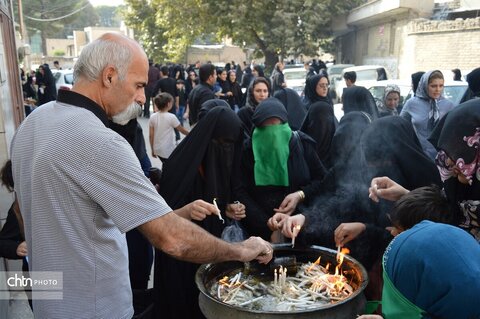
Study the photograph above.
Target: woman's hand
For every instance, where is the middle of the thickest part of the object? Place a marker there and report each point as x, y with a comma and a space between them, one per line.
197, 210
384, 187
276, 221
288, 204
346, 232
236, 211
293, 225
22, 249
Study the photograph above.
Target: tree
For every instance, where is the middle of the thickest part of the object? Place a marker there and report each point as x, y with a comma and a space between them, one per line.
109, 16
140, 15
279, 28
51, 17
276, 28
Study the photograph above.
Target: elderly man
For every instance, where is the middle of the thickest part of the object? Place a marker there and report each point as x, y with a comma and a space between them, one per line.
81, 188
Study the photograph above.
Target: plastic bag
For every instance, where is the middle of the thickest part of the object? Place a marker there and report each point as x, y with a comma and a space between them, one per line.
234, 232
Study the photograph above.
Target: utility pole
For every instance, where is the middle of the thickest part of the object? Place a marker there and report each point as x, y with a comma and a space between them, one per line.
24, 38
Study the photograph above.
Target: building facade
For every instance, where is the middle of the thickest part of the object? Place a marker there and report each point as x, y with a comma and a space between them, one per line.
11, 114
406, 36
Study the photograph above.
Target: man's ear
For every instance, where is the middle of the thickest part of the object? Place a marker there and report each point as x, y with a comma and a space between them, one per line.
108, 74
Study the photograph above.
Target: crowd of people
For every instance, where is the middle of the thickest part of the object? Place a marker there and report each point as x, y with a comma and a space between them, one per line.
262, 159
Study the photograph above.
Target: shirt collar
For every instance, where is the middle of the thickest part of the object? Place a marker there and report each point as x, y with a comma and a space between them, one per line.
76, 99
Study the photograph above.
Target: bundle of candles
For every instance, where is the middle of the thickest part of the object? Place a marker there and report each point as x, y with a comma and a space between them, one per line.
311, 287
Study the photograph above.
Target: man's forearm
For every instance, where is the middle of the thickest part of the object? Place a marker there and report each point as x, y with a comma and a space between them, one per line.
187, 241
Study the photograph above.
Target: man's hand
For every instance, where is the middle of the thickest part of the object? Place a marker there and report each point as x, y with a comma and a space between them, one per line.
184, 240
288, 204
384, 187
256, 248
346, 232
236, 211
22, 249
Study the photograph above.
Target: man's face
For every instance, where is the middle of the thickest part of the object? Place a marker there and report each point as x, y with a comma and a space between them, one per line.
213, 78
131, 89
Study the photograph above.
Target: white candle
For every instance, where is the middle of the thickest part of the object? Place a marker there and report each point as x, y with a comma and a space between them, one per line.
275, 278
218, 211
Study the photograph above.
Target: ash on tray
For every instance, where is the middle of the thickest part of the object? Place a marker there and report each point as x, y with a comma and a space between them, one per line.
311, 287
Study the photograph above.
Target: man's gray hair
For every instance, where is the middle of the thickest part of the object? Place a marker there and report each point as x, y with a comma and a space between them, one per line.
100, 53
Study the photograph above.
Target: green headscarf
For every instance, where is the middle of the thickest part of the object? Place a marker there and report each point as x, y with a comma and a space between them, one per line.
271, 148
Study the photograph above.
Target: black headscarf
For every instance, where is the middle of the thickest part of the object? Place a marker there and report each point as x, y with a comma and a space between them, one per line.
346, 142
320, 123
473, 79
245, 113
259, 69
473, 91
392, 149
311, 95
212, 150
415, 80
294, 105
48, 82
209, 105
269, 108
457, 135
358, 98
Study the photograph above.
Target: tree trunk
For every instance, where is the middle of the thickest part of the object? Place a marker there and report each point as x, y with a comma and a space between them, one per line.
270, 59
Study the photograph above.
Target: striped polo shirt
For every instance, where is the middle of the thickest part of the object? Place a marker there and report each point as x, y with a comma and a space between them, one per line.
80, 188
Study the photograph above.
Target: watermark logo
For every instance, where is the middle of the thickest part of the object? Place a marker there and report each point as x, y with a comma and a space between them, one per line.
37, 284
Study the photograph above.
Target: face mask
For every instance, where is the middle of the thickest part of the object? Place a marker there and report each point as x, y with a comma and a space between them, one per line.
132, 111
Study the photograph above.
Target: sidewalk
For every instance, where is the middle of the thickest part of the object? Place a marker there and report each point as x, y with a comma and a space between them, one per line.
144, 124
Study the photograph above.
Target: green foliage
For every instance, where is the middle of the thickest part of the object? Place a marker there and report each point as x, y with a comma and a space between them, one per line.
46, 10
140, 15
58, 52
109, 16
277, 28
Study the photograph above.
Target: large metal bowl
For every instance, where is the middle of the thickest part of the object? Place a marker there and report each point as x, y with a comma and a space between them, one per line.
350, 307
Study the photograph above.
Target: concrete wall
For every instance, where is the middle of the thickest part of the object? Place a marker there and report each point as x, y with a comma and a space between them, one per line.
216, 54
59, 44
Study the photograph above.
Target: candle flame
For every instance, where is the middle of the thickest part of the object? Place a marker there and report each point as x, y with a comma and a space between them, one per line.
317, 262
340, 257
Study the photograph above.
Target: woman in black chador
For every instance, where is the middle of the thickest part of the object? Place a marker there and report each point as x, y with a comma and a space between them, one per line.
280, 168
203, 166
47, 91
321, 123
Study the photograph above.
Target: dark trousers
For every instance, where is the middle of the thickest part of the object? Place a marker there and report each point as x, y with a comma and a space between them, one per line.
140, 259
146, 106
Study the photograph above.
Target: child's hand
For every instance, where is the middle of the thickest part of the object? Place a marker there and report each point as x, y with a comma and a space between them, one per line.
346, 232
22, 249
384, 187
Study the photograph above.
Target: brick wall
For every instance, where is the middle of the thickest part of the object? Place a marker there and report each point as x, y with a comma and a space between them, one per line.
441, 45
